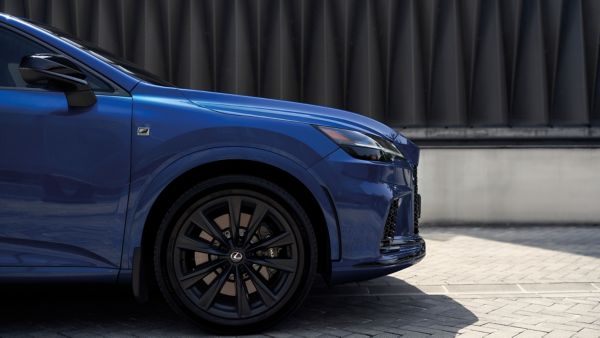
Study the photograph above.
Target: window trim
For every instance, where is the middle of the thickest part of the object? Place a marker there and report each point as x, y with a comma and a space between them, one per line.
117, 90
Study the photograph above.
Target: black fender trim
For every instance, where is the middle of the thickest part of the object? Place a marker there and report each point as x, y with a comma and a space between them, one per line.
138, 278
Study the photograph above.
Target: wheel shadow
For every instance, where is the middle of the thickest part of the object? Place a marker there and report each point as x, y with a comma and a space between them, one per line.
84, 310
576, 239
383, 306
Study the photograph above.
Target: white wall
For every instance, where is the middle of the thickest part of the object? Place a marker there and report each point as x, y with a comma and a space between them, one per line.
510, 185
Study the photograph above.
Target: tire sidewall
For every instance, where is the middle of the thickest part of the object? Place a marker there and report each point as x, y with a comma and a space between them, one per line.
255, 187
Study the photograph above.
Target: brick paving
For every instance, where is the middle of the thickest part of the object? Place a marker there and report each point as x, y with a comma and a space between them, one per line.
475, 282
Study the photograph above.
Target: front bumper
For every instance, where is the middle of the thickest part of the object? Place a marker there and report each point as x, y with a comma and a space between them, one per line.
377, 208
404, 252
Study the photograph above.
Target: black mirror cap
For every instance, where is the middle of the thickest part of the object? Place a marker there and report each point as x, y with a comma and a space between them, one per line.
58, 72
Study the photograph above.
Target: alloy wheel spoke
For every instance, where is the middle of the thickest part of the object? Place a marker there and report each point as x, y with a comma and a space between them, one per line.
265, 293
202, 271
243, 305
282, 264
251, 259
208, 297
186, 243
235, 206
278, 240
207, 225
260, 210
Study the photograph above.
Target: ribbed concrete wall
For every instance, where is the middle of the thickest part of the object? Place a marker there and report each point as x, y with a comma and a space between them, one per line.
406, 62
491, 186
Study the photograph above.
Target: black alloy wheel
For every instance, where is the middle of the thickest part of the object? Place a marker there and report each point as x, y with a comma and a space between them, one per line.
235, 253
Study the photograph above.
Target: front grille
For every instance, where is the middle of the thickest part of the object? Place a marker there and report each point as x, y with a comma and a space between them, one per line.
389, 231
417, 202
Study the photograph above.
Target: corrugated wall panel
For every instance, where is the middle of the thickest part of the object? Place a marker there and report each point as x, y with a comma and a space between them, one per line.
411, 63
488, 96
570, 94
530, 80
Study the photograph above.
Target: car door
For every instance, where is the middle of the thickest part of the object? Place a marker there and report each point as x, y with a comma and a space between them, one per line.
64, 172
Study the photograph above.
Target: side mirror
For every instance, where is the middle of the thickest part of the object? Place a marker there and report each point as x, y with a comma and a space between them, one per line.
58, 72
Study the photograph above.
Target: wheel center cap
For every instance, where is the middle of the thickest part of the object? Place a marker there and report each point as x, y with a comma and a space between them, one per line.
236, 256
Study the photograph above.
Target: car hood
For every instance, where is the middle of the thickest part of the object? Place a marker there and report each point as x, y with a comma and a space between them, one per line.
299, 112
286, 110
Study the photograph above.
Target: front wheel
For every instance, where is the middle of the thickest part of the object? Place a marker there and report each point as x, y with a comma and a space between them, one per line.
235, 254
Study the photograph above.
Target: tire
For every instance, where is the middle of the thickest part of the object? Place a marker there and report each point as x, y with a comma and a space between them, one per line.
269, 256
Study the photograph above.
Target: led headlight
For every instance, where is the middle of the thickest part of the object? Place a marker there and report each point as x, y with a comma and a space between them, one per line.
363, 146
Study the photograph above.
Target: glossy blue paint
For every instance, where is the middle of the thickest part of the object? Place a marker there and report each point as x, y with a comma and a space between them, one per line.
58, 274
77, 185
64, 178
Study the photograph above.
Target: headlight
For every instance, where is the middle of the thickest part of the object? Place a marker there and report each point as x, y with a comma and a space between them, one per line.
363, 146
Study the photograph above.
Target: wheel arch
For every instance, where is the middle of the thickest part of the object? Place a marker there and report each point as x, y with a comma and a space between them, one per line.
157, 197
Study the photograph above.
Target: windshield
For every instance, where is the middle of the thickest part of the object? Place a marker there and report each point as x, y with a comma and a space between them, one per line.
106, 56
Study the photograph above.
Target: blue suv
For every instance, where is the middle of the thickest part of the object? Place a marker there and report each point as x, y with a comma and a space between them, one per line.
231, 205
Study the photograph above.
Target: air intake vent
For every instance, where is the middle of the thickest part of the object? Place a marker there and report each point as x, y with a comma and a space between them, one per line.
390, 223
417, 202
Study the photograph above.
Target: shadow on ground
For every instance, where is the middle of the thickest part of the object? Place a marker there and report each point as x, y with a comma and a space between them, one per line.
576, 239
84, 310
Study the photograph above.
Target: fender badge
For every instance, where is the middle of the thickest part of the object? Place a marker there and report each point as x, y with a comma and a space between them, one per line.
143, 131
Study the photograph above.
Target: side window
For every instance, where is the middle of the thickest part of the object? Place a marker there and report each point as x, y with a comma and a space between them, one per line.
10, 58
21, 46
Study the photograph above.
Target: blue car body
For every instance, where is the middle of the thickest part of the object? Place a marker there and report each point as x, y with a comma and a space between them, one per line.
77, 187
